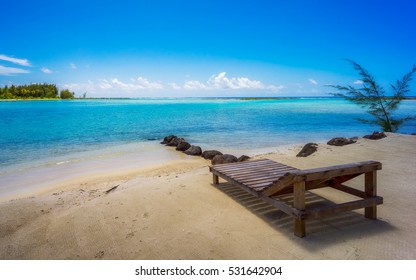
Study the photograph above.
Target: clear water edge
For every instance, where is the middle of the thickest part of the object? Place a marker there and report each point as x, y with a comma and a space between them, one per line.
54, 136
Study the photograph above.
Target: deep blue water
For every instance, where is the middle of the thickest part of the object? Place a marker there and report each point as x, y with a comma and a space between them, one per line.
32, 130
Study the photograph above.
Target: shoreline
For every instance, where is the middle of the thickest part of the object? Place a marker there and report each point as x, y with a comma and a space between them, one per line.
156, 207
30, 177
52, 172
243, 98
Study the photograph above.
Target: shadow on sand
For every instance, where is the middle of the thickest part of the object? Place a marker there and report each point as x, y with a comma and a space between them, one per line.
319, 232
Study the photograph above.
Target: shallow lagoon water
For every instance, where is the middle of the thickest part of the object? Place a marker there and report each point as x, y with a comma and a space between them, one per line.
43, 142
39, 130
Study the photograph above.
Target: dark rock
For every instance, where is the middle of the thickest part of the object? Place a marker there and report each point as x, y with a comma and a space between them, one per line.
341, 141
210, 154
218, 159
183, 146
175, 142
307, 150
375, 136
167, 139
194, 151
243, 158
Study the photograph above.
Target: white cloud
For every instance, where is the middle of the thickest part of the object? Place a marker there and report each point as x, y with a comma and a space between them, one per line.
8, 71
80, 87
146, 84
222, 82
46, 70
175, 86
104, 84
122, 85
275, 88
72, 66
194, 85
135, 85
358, 82
114, 85
141, 85
19, 61
312, 81
72, 87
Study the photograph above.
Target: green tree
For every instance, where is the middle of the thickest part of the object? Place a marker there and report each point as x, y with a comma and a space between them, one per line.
66, 94
373, 98
5, 93
29, 91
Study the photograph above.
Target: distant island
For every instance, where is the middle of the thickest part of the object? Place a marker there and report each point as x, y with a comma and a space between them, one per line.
35, 91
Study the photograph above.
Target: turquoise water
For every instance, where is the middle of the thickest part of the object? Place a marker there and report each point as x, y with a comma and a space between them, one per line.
34, 130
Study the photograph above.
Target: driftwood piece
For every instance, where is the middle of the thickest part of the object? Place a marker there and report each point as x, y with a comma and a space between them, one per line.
111, 189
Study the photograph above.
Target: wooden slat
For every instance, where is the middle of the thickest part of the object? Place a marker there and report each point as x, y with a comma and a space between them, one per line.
237, 167
338, 170
258, 173
285, 191
259, 183
266, 183
255, 186
248, 163
232, 181
280, 184
350, 190
321, 183
228, 166
247, 169
325, 211
254, 174
283, 206
268, 177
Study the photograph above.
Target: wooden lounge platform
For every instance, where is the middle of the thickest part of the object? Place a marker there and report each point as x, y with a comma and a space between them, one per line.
270, 180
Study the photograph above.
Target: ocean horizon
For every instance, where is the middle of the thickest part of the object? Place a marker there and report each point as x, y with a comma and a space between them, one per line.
56, 130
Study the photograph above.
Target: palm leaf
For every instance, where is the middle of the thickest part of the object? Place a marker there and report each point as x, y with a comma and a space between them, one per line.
371, 96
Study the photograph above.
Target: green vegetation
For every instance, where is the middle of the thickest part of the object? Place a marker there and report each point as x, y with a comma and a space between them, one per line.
34, 91
66, 94
372, 97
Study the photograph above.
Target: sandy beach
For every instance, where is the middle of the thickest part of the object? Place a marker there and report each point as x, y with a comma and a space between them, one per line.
171, 210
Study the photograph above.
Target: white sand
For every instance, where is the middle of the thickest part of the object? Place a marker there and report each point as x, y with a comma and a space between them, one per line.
171, 210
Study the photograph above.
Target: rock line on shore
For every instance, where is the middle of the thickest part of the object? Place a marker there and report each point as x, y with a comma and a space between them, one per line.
217, 157
187, 148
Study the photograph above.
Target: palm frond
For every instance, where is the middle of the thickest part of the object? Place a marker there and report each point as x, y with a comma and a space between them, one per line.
370, 86
371, 96
400, 89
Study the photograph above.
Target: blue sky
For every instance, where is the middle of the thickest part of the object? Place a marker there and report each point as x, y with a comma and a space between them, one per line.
204, 48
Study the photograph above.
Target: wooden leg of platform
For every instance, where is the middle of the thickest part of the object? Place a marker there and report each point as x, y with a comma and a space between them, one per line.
215, 179
299, 227
370, 191
299, 204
